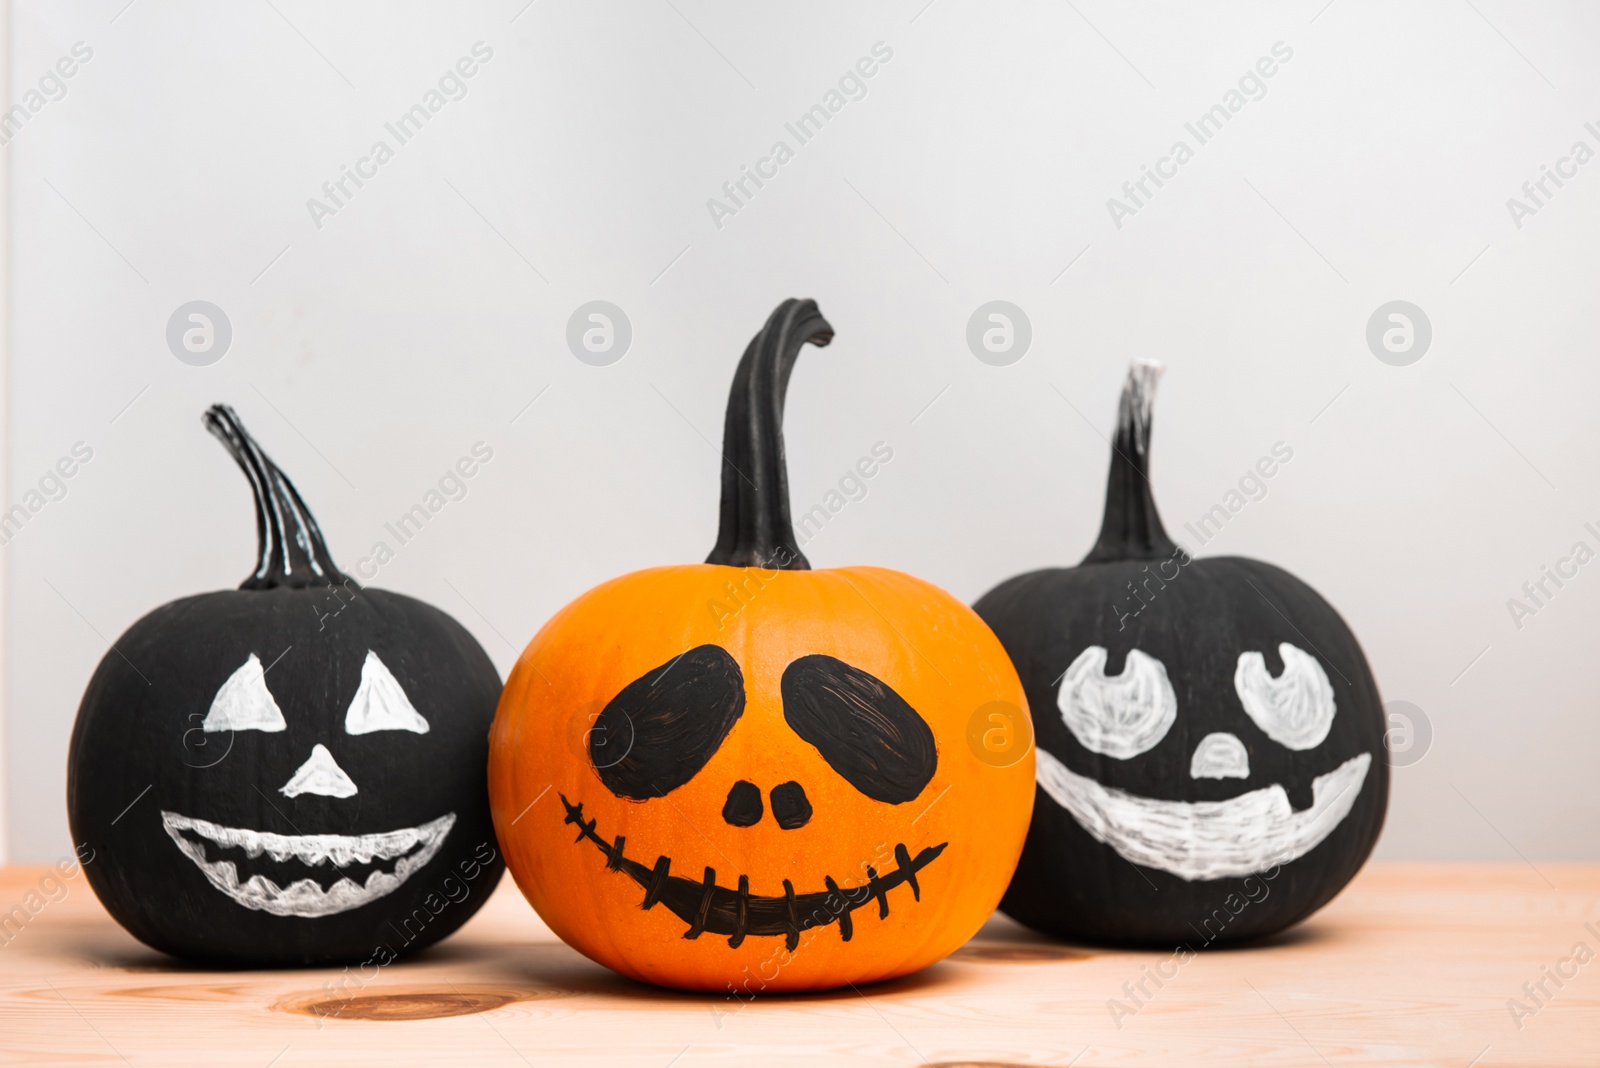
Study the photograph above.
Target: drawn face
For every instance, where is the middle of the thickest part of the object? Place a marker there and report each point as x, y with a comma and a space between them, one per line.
660, 732
289, 880
1121, 717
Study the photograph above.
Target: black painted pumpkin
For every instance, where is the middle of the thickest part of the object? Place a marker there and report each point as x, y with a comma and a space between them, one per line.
1211, 759
293, 772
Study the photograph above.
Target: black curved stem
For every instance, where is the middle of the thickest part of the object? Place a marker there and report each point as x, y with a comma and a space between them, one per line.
755, 529
1132, 527
293, 554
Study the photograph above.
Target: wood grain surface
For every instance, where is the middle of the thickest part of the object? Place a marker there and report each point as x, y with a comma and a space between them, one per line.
1413, 965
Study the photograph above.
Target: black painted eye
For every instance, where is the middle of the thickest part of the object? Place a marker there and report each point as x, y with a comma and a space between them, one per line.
676, 716
863, 729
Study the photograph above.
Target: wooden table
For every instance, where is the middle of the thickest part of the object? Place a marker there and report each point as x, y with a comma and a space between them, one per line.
1414, 964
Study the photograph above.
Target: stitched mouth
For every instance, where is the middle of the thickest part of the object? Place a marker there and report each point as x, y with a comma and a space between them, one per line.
706, 906
286, 871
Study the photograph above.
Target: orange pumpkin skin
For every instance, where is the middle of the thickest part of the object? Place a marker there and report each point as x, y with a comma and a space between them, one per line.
927, 646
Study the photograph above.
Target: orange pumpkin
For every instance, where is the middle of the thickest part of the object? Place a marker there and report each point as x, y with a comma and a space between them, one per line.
748, 776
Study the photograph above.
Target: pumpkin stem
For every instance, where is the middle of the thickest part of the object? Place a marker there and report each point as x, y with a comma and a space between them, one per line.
755, 529
293, 554
1132, 527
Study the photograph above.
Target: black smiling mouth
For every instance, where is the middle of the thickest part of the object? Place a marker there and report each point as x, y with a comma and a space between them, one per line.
705, 906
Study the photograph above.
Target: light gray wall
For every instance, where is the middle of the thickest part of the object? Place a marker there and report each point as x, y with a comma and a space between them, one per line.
5, 387
427, 313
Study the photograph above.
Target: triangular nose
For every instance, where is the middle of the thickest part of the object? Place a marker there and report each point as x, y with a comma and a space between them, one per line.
320, 774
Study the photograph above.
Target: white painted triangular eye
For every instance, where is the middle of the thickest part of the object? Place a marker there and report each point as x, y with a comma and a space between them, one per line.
244, 703
1118, 716
380, 704
1296, 708
320, 774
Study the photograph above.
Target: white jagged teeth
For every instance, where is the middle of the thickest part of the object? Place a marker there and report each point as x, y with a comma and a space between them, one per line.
304, 897
313, 849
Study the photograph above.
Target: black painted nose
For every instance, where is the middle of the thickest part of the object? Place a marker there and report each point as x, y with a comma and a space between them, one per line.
789, 806
743, 807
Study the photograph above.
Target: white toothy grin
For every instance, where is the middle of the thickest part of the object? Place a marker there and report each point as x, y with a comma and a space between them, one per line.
414, 846
1206, 839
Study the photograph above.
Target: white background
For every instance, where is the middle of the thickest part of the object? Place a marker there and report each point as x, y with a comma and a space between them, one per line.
370, 354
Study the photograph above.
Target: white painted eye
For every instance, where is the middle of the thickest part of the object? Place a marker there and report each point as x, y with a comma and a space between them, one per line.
1220, 756
320, 774
244, 703
1120, 716
1296, 708
380, 704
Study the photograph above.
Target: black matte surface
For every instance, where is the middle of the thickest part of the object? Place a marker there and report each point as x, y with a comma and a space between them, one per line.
137, 749
1138, 591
